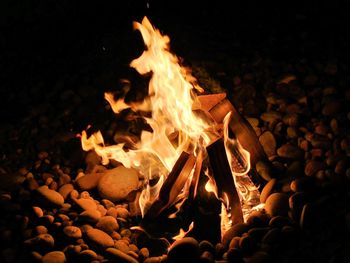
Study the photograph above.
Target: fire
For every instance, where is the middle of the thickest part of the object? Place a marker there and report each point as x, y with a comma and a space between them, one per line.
175, 126
172, 91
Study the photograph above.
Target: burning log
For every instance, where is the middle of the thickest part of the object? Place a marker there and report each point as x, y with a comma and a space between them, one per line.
221, 171
172, 185
217, 106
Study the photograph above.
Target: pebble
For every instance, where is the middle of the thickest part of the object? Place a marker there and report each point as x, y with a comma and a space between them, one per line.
99, 238
122, 212
87, 256
90, 215
273, 236
206, 257
235, 230
313, 166
89, 181
271, 116
258, 257
268, 142
116, 184
290, 151
184, 250
267, 190
247, 244
42, 242
86, 204
49, 197
65, 190
72, 232
120, 256
234, 255
54, 257
143, 253
277, 204
291, 119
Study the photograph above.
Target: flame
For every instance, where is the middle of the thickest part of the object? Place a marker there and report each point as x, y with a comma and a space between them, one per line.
175, 128
183, 233
239, 160
172, 92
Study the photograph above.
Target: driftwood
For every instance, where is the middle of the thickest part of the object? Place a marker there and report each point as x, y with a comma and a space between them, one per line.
223, 178
172, 185
217, 106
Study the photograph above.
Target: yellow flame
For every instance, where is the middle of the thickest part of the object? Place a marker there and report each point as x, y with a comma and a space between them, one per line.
248, 193
172, 92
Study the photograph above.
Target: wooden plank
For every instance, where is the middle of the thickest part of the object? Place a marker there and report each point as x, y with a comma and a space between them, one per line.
223, 178
172, 185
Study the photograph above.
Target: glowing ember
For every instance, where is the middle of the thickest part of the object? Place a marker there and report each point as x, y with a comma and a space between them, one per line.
175, 126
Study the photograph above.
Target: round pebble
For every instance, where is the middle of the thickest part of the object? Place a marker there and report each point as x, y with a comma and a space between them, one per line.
99, 238
116, 184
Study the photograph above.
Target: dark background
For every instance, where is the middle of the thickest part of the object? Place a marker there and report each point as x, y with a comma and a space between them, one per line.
48, 44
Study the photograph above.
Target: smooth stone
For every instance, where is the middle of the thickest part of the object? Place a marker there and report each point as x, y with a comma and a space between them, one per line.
273, 236
89, 181
277, 204
302, 184
184, 250
65, 190
112, 212
107, 224
87, 256
247, 244
143, 253
86, 204
50, 197
259, 257
313, 166
290, 151
234, 243
258, 232
99, 238
279, 221
234, 255
41, 242
268, 142
205, 245
120, 256
267, 190
54, 257
122, 245
116, 184
291, 119
264, 170
72, 232
234, 231
271, 116
122, 212
206, 257
91, 216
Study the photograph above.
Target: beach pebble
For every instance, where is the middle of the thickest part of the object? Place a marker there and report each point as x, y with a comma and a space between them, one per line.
184, 250
290, 151
100, 238
120, 256
65, 190
267, 190
91, 216
72, 232
116, 184
49, 197
54, 257
277, 204
107, 224
268, 142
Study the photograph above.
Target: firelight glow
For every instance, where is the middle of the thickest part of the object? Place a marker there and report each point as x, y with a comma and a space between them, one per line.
175, 127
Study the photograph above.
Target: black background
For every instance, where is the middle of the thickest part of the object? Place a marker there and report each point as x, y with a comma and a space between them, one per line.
44, 41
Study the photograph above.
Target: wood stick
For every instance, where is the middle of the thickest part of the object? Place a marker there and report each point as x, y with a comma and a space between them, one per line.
172, 185
239, 126
222, 175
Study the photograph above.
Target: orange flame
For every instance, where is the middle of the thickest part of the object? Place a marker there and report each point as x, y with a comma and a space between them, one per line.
172, 92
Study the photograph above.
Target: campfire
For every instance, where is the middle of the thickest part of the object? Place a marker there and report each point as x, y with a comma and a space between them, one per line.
186, 135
